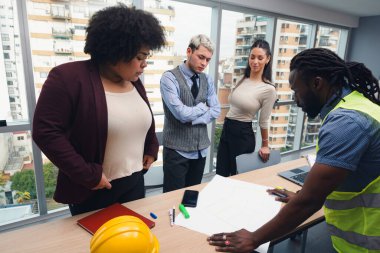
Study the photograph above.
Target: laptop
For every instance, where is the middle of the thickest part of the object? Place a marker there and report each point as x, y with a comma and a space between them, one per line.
297, 175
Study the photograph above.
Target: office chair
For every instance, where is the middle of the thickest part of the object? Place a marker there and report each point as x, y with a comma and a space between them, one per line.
154, 178
252, 161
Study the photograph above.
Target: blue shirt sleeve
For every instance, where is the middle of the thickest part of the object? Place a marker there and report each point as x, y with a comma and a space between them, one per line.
343, 139
212, 103
169, 88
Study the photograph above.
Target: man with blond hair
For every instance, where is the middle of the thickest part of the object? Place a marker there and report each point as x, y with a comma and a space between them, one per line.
190, 103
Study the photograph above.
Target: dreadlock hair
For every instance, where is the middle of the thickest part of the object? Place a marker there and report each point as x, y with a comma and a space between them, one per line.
325, 63
267, 73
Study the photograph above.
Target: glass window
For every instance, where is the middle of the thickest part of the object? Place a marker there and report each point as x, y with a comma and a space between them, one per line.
57, 33
173, 16
50, 172
13, 104
18, 198
290, 125
57, 36
330, 38
280, 128
175, 20
238, 32
291, 38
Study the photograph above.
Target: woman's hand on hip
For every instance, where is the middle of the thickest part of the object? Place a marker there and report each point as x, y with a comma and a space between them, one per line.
104, 183
147, 161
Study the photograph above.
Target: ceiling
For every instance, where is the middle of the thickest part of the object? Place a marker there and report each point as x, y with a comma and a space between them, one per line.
359, 8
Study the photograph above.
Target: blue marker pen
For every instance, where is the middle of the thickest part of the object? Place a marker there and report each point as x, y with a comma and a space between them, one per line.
153, 215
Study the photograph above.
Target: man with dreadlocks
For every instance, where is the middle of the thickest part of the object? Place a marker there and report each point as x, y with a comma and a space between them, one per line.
346, 175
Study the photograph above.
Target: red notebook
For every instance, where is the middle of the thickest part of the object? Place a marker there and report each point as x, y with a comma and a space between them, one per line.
92, 222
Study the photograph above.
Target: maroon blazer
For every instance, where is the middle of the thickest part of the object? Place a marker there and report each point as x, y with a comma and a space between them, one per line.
70, 127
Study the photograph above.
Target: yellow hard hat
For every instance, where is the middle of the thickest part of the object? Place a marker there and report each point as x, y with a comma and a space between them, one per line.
124, 234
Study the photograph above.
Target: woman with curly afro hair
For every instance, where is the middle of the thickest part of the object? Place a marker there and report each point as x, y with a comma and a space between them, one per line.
93, 119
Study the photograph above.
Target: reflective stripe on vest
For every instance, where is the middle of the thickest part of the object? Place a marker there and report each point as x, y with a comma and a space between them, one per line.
353, 218
364, 241
354, 211
363, 200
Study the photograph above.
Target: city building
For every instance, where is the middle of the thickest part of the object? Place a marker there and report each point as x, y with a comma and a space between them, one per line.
37, 35
13, 99
292, 38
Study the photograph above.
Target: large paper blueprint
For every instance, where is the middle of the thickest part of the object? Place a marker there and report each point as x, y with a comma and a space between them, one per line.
227, 205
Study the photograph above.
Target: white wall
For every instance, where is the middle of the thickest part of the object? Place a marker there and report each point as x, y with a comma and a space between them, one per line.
364, 44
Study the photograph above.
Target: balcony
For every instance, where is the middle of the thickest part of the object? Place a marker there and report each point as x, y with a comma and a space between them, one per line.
278, 135
245, 32
303, 40
14, 92
290, 133
314, 122
324, 31
62, 50
325, 43
303, 29
276, 145
311, 134
289, 144
62, 33
244, 45
60, 12
261, 19
14, 164
246, 23
241, 64
14, 100
157, 7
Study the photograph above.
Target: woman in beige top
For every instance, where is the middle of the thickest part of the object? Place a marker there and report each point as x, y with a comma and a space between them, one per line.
93, 119
253, 93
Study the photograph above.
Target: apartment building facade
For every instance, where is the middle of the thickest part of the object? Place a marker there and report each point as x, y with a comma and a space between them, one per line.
291, 38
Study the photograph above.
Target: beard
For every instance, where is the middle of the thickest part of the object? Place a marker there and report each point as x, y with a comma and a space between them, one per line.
313, 112
312, 106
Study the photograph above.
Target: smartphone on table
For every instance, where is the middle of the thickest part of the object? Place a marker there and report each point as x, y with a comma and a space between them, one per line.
190, 198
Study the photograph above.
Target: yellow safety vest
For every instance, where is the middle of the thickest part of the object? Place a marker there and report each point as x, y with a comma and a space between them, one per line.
353, 218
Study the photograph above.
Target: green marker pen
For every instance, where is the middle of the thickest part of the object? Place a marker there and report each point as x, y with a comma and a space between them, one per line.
183, 210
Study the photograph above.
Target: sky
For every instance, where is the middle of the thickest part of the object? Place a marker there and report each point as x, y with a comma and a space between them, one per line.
187, 27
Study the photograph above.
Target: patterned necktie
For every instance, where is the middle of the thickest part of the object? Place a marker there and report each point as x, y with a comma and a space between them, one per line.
194, 87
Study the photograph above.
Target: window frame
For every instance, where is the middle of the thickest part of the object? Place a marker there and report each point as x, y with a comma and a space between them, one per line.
217, 8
